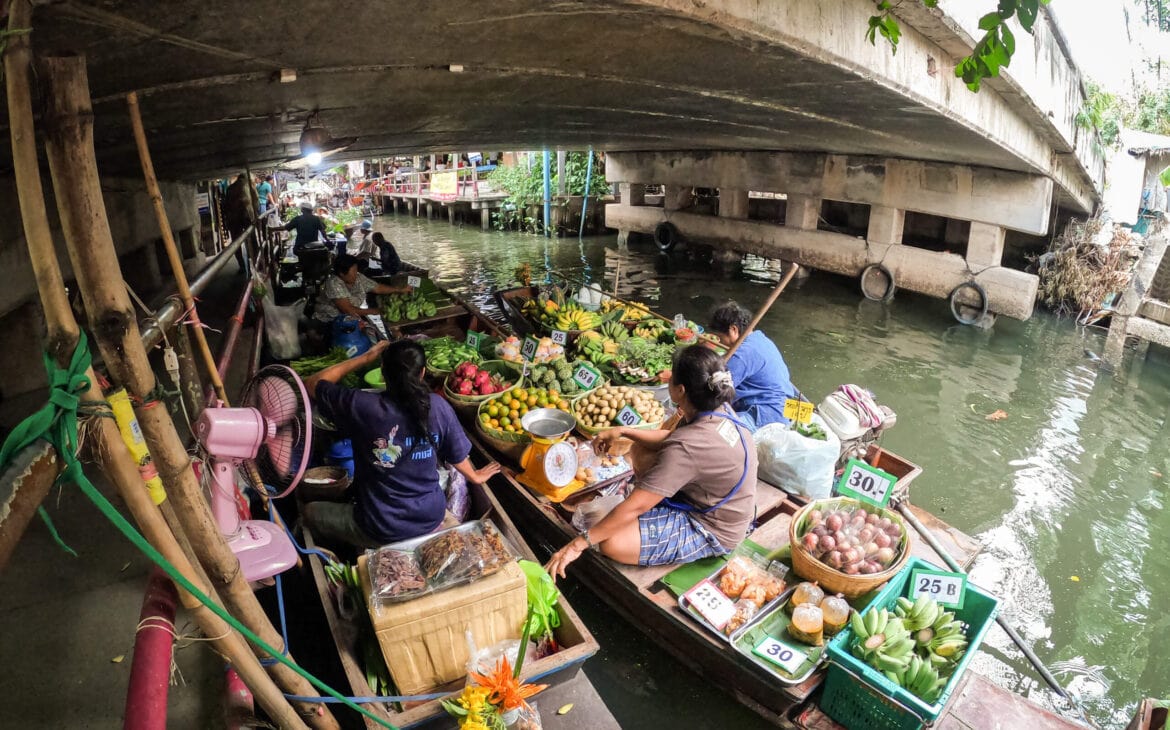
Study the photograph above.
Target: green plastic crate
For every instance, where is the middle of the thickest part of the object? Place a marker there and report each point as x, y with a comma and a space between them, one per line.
858, 696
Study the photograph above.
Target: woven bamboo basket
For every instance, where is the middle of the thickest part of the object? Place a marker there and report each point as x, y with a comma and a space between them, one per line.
590, 431
830, 579
467, 406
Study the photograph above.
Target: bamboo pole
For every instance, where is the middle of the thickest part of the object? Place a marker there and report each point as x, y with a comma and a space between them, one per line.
160, 214
63, 338
73, 165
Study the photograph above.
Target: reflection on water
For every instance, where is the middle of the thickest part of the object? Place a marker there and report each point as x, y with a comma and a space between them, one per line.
1066, 493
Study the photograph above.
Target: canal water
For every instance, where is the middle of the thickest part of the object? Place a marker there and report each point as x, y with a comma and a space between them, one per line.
1066, 493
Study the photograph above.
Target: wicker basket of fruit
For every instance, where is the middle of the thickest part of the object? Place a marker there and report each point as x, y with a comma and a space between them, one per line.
469, 385
847, 546
498, 418
599, 410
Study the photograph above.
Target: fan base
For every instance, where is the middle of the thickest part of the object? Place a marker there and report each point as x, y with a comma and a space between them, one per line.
263, 549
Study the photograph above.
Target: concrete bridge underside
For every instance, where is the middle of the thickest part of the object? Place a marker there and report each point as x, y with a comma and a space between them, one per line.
790, 75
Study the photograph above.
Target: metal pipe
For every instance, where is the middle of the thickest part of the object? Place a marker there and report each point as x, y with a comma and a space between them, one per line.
170, 312
547, 195
257, 347
585, 200
1016, 638
231, 336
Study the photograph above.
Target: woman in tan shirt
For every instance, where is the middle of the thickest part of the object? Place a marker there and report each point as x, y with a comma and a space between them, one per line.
697, 497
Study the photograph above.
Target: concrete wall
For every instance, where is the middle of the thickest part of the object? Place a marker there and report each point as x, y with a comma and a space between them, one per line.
136, 236
1013, 200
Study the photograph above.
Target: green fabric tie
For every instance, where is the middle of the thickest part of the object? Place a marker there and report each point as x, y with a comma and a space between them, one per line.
55, 423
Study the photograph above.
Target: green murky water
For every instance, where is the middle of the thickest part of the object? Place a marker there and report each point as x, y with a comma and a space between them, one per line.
1066, 494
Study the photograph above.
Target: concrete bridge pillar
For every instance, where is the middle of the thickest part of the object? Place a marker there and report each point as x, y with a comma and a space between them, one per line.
985, 245
802, 212
430, 211
485, 218
632, 193
678, 197
451, 214
733, 203
885, 225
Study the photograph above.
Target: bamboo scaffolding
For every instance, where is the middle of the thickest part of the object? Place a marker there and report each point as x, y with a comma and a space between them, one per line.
62, 340
73, 166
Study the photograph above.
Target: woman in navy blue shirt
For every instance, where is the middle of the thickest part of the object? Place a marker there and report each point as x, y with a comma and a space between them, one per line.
399, 439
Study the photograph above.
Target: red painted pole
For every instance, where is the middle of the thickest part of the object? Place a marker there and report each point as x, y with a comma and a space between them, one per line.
150, 672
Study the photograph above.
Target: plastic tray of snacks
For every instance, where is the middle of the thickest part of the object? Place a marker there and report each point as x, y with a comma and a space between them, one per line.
766, 642
722, 614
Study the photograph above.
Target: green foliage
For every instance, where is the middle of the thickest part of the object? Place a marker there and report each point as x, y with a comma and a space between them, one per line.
1107, 113
525, 187
1155, 13
991, 53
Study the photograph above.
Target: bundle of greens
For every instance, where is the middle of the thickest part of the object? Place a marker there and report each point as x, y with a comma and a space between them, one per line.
640, 361
306, 366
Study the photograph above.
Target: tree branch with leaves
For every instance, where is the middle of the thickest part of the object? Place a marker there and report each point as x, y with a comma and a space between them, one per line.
991, 53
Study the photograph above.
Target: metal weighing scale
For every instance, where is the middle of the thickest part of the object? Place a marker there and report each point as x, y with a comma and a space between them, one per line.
549, 463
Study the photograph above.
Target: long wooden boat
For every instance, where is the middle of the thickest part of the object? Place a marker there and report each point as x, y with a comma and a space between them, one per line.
639, 595
574, 639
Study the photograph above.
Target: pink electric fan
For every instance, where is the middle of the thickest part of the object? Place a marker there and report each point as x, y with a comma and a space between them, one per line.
272, 431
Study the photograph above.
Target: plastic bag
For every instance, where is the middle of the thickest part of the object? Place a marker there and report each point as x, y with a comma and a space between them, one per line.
542, 599
526, 718
484, 661
796, 463
592, 512
463, 553
280, 327
745, 610
454, 486
395, 575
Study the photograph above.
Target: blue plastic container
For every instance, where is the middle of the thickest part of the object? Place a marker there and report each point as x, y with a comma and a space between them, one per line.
858, 696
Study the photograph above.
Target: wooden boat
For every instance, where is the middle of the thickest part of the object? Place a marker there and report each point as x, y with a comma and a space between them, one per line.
574, 639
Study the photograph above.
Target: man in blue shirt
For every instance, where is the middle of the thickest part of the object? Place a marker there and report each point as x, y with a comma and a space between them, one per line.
758, 371
264, 194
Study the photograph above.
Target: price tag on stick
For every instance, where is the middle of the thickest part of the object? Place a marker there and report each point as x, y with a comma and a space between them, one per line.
864, 482
474, 338
786, 657
711, 604
798, 410
413, 282
529, 348
560, 337
586, 376
948, 589
628, 417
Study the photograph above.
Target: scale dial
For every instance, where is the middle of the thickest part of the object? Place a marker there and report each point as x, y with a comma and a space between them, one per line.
560, 464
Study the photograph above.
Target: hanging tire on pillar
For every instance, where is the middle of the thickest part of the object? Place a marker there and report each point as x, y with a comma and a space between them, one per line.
666, 236
956, 304
891, 285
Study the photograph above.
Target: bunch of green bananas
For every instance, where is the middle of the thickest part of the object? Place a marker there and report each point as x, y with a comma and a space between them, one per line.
917, 647
936, 631
398, 307
615, 331
599, 350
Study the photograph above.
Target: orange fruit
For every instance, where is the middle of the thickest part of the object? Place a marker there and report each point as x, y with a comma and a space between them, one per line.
494, 423
532, 400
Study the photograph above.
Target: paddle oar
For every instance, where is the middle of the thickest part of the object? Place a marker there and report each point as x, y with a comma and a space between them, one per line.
1018, 640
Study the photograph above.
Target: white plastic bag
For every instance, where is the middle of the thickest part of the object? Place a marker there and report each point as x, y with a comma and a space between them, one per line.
280, 327
796, 463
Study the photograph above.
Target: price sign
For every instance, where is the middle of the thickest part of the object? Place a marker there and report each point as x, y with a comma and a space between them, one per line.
560, 337
585, 376
474, 339
864, 482
798, 410
628, 417
528, 349
782, 655
413, 282
946, 588
711, 604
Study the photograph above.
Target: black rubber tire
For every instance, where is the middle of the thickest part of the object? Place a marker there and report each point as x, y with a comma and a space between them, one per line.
955, 304
666, 236
890, 289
